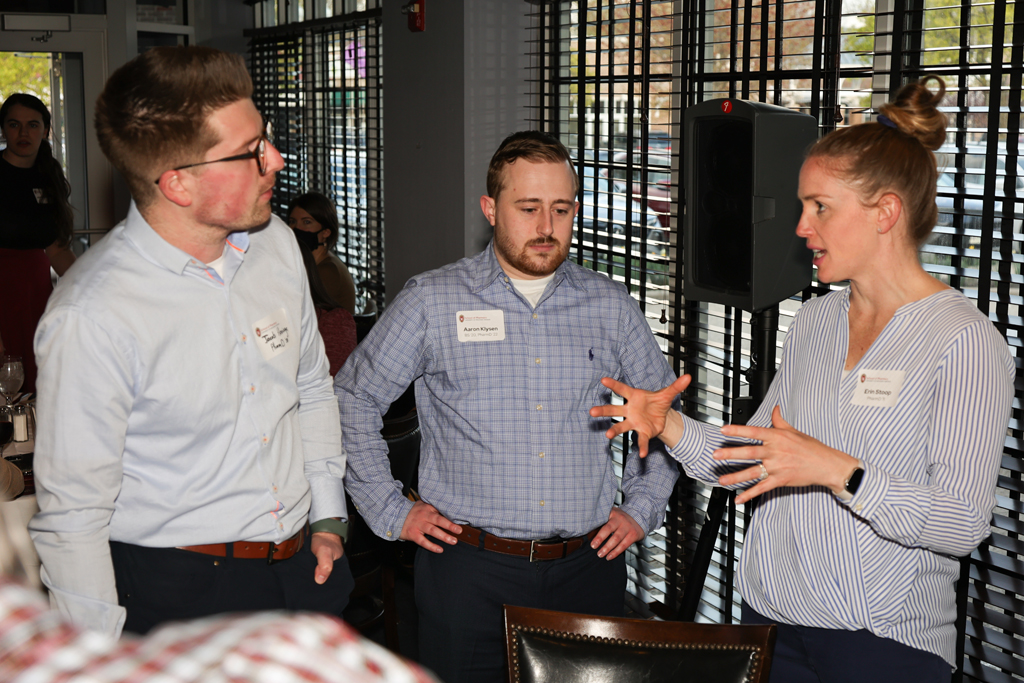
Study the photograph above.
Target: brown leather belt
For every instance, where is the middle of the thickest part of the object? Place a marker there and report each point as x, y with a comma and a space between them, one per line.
251, 550
535, 550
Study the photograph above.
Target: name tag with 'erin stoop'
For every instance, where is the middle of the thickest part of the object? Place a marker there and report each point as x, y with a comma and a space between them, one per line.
880, 388
272, 334
477, 326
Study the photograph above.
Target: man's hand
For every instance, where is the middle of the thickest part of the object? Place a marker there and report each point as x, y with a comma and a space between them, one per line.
620, 532
424, 520
327, 548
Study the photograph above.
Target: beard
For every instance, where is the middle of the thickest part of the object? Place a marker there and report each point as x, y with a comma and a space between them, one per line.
538, 265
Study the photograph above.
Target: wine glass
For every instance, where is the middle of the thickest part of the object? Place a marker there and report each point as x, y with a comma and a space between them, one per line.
12, 374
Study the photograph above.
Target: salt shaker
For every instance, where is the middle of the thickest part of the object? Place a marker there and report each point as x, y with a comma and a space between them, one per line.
20, 419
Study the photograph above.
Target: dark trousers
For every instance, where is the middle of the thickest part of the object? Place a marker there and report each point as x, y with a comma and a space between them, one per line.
157, 585
822, 655
461, 592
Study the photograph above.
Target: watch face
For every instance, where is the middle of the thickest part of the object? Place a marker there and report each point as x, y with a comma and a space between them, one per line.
853, 483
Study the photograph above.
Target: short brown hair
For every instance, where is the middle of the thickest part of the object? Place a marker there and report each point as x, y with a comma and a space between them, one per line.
894, 154
152, 115
531, 145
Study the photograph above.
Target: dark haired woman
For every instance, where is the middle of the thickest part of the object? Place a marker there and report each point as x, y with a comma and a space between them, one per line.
876, 451
337, 326
316, 216
35, 225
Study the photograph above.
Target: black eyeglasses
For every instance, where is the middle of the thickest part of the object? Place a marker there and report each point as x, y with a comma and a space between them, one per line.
259, 154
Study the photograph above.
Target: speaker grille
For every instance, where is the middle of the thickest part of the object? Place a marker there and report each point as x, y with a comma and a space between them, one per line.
723, 206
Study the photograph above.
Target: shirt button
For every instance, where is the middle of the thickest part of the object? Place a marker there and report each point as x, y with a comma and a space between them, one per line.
542, 503
537, 361
280, 526
541, 454
534, 316
540, 407
275, 489
858, 507
389, 534
252, 388
244, 338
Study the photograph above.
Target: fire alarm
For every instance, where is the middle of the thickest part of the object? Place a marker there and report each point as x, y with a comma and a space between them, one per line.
417, 15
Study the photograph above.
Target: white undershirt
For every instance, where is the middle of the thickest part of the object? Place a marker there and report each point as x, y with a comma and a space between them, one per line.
532, 289
218, 265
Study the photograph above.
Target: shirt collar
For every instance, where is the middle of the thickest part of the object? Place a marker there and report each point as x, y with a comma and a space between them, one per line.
491, 271
142, 235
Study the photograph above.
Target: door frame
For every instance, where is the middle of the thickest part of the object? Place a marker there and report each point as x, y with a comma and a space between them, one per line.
88, 36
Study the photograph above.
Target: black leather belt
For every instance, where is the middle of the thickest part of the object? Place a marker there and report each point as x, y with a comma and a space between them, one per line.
535, 550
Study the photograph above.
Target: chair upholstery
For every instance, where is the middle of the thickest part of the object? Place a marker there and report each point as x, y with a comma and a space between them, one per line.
558, 647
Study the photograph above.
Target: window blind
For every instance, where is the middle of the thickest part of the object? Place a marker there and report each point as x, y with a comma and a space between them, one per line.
320, 84
600, 76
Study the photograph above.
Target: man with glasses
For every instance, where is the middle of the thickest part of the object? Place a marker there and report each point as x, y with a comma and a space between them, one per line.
187, 427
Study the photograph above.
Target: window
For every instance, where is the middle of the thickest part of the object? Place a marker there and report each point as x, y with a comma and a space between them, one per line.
320, 84
613, 77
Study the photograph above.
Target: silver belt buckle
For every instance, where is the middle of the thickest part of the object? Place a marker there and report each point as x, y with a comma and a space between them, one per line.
532, 546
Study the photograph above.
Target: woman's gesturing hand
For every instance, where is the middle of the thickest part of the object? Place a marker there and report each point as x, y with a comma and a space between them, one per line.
788, 457
648, 413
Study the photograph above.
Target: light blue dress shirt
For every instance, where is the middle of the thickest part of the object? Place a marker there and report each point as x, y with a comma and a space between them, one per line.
508, 443
885, 561
162, 421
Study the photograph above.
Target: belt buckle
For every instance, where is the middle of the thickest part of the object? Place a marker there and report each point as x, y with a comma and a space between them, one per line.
271, 549
533, 545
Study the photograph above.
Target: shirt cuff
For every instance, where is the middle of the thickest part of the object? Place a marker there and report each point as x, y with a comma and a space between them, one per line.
874, 486
691, 444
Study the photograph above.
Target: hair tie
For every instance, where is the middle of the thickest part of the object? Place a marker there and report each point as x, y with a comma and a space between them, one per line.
886, 121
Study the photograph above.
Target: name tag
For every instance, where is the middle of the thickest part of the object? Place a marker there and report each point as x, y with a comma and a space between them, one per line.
880, 388
272, 334
477, 326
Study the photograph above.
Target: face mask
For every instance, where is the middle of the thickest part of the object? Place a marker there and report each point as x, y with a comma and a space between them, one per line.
309, 239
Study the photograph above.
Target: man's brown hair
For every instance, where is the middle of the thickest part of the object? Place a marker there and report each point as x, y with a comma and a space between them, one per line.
152, 114
531, 145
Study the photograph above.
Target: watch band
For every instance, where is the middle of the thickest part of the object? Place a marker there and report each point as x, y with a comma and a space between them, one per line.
852, 484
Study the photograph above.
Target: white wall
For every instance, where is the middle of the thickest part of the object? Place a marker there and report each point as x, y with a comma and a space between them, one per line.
451, 95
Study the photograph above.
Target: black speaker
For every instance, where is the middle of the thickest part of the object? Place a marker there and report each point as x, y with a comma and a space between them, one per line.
742, 168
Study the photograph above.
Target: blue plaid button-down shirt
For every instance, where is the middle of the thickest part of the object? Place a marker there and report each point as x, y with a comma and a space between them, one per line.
508, 443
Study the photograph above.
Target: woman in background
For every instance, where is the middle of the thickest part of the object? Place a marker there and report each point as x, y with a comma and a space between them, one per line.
876, 452
35, 225
316, 216
337, 326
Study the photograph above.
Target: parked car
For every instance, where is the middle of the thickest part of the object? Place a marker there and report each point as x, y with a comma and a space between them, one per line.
605, 209
972, 206
974, 160
658, 181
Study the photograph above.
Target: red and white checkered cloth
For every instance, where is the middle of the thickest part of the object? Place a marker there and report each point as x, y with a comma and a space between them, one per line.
38, 646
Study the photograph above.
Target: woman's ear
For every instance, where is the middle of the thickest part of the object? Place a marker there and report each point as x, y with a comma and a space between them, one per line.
888, 210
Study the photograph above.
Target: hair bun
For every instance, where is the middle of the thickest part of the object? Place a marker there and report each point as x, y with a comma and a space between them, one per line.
915, 112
